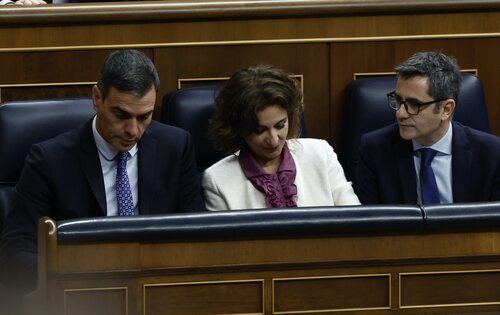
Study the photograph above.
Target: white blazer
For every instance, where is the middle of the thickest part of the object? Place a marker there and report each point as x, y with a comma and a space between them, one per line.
320, 180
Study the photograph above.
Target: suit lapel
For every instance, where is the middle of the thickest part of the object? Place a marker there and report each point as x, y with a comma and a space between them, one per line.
147, 168
406, 170
91, 166
461, 167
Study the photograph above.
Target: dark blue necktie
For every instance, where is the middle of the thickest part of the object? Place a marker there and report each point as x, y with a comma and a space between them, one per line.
123, 192
428, 186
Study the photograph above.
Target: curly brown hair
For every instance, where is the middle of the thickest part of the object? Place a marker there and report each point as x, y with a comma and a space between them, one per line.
247, 92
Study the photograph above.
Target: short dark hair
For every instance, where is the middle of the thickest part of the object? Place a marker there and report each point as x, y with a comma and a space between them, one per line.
443, 73
247, 92
128, 70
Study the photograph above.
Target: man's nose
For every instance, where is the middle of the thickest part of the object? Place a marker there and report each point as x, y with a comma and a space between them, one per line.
132, 127
401, 112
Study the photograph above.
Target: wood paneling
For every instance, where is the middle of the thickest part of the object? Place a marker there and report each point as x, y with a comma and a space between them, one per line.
27, 92
96, 301
181, 33
230, 9
367, 293
451, 289
230, 297
325, 41
403, 273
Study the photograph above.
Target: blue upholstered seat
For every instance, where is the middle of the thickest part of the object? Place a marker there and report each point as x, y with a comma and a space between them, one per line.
23, 123
189, 109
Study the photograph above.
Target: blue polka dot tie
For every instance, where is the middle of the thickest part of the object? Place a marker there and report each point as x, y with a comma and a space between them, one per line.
123, 193
428, 186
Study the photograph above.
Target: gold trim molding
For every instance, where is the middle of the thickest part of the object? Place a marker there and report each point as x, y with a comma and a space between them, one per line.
180, 81
208, 80
361, 75
258, 42
46, 84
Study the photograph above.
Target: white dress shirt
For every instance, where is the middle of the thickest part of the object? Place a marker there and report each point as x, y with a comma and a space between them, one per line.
107, 156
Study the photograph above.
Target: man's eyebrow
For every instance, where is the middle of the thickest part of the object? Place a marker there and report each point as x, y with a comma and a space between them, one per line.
408, 98
119, 109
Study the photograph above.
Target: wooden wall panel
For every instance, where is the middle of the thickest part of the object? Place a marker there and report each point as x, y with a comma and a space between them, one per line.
55, 47
100, 33
309, 60
331, 294
406, 273
43, 91
51, 74
204, 298
96, 301
449, 289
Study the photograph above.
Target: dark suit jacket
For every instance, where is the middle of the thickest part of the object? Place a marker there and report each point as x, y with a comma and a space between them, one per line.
62, 179
385, 171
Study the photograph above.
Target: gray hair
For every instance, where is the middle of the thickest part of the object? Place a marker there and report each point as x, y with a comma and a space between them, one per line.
443, 73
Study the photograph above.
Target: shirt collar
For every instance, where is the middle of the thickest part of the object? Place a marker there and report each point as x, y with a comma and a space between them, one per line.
252, 168
106, 149
443, 145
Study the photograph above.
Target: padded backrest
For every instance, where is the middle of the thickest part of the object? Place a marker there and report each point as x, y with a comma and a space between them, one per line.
366, 109
190, 109
462, 215
23, 123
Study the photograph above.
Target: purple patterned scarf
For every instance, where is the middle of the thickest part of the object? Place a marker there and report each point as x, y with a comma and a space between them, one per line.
279, 188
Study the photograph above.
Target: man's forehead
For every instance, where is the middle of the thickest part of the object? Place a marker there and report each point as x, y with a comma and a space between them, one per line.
415, 85
137, 109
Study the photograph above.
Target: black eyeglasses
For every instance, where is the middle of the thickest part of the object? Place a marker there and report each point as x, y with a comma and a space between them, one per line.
412, 107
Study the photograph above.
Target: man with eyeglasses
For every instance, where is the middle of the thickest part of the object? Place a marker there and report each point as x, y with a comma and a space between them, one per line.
426, 157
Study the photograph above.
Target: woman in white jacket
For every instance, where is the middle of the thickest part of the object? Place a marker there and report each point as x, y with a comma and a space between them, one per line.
256, 121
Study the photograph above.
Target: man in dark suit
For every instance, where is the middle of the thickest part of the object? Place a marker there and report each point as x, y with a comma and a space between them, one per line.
466, 163
74, 175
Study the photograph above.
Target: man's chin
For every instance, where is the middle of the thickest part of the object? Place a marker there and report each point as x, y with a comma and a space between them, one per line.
406, 135
122, 147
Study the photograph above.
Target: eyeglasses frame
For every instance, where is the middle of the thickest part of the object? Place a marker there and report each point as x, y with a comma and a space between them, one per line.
403, 102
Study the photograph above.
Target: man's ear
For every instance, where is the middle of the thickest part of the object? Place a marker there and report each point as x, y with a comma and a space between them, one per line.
96, 97
448, 108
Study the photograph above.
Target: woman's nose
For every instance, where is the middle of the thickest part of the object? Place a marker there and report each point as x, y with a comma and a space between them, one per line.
272, 137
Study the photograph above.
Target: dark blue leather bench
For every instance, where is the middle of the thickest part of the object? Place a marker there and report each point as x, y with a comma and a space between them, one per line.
315, 221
